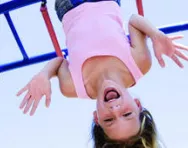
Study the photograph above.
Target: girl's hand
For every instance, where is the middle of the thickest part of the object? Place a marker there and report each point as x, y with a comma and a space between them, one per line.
38, 87
163, 44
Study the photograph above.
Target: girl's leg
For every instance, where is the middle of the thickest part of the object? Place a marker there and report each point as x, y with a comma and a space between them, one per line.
62, 7
117, 1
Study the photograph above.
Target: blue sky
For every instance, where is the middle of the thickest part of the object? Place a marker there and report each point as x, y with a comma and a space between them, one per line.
67, 122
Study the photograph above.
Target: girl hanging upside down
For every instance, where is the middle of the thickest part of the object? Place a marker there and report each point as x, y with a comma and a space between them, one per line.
102, 65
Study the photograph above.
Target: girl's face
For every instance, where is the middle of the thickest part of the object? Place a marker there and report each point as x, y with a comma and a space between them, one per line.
117, 112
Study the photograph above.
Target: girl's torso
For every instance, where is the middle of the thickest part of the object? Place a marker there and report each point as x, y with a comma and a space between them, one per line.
97, 42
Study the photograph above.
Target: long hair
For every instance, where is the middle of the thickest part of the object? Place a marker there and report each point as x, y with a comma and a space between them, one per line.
146, 138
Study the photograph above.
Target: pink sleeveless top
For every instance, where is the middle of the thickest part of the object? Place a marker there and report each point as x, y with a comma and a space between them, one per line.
96, 29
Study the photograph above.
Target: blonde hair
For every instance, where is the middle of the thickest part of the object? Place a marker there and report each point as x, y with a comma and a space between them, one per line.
154, 142
146, 138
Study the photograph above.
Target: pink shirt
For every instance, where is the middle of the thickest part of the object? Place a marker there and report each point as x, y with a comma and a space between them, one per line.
95, 29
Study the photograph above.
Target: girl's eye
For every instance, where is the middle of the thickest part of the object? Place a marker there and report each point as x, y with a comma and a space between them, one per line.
108, 120
127, 114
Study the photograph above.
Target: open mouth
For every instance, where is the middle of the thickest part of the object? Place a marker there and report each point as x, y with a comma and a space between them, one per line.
110, 94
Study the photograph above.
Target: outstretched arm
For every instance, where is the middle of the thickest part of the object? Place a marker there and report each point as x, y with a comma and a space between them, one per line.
143, 25
162, 44
139, 49
51, 68
40, 86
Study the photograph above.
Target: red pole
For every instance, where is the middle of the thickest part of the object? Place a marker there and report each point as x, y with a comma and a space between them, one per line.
140, 7
51, 31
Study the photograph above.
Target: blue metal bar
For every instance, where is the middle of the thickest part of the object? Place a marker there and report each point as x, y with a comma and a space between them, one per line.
30, 61
183, 26
15, 4
41, 58
17, 38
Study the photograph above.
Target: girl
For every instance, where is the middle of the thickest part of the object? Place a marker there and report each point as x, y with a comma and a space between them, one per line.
102, 65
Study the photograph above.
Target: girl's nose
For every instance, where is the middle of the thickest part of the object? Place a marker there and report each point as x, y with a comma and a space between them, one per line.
115, 107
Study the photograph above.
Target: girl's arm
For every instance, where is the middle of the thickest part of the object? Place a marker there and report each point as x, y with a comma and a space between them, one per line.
144, 26
39, 86
140, 51
51, 69
139, 28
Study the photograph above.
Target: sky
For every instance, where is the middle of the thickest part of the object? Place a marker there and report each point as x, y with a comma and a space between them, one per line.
67, 123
